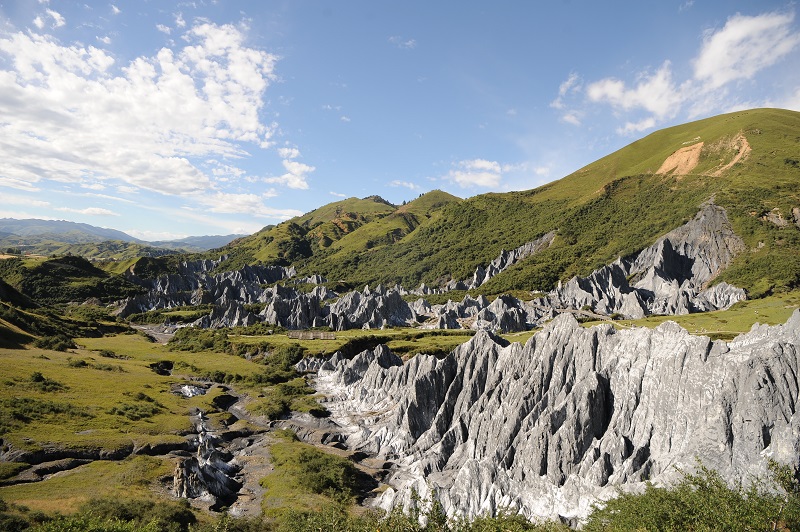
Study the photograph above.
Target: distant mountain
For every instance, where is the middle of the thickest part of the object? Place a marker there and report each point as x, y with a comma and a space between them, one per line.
60, 231
61, 237
197, 243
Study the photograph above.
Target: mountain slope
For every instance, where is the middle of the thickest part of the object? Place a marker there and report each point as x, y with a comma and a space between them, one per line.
745, 162
62, 231
312, 234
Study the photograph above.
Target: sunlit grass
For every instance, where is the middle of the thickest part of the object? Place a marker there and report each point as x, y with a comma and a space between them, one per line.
726, 324
135, 477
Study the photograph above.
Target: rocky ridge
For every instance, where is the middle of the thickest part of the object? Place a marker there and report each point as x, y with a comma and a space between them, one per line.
672, 276
549, 427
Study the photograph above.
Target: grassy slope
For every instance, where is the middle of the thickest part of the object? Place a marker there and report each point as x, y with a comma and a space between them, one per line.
63, 279
85, 398
607, 209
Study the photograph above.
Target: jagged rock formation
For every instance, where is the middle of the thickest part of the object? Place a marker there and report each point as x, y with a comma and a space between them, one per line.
509, 258
230, 314
194, 285
210, 474
370, 309
669, 277
549, 427
293, 310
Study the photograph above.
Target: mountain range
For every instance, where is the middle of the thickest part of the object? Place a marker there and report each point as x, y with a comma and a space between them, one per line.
58, 237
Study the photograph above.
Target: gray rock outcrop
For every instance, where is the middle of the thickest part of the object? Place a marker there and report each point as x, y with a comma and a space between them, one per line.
370, 309
194, 285
549, 427
508, 259
669, 277
673, 276
231, 314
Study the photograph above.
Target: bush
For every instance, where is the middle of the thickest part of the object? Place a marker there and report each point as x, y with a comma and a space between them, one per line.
58, 342
156, 516
701, 501
323, 473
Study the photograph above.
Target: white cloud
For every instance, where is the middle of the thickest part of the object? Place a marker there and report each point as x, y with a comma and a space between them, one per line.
115, 10
13, 199
104, 40
70, 113
655, 93
91, 211
741, 49
114, 198
542, 170
744, 46
637, 127
571, 84
476, 173
288, 153
402, 42
337, 194
179, 21
295, 176
253, 204
793, 101
344, 118
58, 19
407, 184
163, 29
572, 117
154, 236
38, 22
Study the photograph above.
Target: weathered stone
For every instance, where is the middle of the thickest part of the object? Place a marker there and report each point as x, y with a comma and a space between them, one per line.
549, 427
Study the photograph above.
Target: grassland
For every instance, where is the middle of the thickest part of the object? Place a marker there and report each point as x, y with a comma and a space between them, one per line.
602, 211
726, 324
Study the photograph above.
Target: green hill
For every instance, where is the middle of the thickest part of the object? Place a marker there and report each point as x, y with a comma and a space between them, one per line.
746, 162
312, 234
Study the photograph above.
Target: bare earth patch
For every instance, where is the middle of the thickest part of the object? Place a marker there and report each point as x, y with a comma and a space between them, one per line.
739, 142
683, 161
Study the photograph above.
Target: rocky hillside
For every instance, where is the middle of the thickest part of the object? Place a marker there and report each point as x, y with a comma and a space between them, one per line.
548, 427
745, 161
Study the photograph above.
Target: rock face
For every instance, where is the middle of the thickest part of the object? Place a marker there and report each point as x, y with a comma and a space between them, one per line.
210, 474
670, 277
509, 258
549, 427
195, 285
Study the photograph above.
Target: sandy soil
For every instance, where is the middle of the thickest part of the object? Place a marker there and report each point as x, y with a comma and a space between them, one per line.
740, 142
683, 161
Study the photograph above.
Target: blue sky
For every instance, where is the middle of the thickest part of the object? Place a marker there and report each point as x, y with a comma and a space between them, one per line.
166, 119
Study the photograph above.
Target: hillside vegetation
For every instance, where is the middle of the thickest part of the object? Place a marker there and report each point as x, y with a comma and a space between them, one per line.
610, 208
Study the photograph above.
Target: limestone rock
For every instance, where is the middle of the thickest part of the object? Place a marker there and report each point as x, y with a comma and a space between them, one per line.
508, 259
548, 427
669, 277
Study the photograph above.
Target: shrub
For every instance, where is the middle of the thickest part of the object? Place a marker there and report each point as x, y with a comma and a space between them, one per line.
324, 473
58, 342
44, 384
700, 501
150, 515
